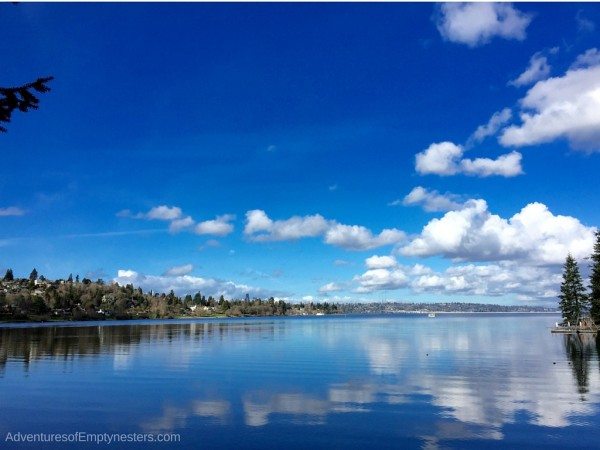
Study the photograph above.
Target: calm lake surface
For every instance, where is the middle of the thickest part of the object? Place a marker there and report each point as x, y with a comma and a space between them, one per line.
406, 381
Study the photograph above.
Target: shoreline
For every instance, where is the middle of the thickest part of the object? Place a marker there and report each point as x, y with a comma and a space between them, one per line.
116, 322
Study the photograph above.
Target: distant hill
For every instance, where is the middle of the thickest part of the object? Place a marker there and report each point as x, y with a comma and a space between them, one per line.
401, 307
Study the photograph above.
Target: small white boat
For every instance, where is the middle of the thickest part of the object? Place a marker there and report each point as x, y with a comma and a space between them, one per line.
431, 315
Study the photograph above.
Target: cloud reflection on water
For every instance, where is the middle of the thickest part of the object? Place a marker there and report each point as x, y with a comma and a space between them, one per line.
468, 378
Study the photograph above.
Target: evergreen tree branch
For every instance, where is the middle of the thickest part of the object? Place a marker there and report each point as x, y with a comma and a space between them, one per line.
21, 98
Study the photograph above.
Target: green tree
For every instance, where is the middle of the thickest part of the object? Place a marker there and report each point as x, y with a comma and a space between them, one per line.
33, 275
9, 275
38, 306
573, 299
595, 281
197, 298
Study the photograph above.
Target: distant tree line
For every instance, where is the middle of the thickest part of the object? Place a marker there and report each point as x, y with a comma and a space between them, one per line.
575, 300
439, 307
36, 298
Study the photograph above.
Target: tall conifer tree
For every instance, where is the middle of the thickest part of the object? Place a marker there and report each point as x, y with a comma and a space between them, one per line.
573, 299
595, 281
9, 275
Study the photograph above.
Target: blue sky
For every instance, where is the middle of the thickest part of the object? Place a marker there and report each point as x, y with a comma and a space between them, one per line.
272, 148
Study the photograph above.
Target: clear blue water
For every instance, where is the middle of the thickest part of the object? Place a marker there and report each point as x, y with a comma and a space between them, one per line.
454, 381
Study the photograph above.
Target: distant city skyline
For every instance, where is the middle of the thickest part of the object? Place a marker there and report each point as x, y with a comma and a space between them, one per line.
326, 152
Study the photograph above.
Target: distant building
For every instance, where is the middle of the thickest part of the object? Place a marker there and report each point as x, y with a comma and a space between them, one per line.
247, 297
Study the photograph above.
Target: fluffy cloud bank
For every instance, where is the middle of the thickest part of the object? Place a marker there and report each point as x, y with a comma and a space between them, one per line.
528, 282
220, 226
562, 107
446, 158
182, 284
476, 24
475, 234
260, 228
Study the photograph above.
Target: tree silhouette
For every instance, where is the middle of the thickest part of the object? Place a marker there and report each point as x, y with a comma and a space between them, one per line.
9, 275
21, 98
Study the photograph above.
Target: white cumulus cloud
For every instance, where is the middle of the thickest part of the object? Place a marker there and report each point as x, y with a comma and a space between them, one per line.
561, 107
380, 262
432, 200
177, 271
381, 280
356, 237
475, 234
507, 165
181, 224
504, 278
446, 158
260, 228
220, 226
330, 287
164, 212
476, 24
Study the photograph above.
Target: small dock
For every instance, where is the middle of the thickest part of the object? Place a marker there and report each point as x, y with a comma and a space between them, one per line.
571, 330
585, 326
